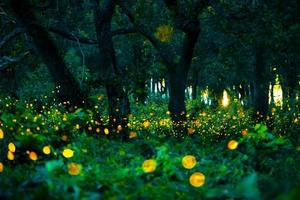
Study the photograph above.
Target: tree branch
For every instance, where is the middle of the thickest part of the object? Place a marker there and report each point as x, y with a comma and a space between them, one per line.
183, 21
9, 36
8, 60
70, 36
162, 50
123, 31
220, 11
83, 40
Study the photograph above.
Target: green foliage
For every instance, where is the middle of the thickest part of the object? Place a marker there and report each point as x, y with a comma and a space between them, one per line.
265, 164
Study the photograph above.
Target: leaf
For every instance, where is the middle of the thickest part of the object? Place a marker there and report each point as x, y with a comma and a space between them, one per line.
248, 188
53, 165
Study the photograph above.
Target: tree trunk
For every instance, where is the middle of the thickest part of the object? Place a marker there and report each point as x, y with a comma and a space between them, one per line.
177, 80
119, 108
68, 89
217, 96
260, 86
178, 77
139, 80
292, 79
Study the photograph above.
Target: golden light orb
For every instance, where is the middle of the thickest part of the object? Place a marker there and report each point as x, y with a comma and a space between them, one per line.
10, 155
106, 131
146, 124
149, 166
47, 150
1, 167
197, 179
33, 156
132, 134
164, 33
74, 169
11, 147
1, 134
189, 161
225, 99
191, 131
232, 144
244, 132
68, 153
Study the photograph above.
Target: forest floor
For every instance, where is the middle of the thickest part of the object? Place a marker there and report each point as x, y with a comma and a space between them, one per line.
56, 155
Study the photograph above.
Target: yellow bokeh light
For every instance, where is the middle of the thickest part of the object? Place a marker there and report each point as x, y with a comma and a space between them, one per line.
191, 131
162, 122
164, 33
1, 167
244, 132
189, 161
68, 153
10, 155
232, 144
64, 138
1, 134
33, 156
119, 128
132, 134
277, 95
46, 150
225, 99
149, 166
74, 169
146, 124
106, 131
197, 179
11, 147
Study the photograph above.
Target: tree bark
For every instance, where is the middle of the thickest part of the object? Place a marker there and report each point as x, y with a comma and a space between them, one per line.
69, 90
292, 79
178, 79
260, 86
118, 102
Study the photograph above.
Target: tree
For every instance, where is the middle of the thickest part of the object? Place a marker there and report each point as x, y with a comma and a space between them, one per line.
118, 102
68, 88
178, 64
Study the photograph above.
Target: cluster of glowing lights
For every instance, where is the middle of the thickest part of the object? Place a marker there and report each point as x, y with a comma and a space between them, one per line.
276, 91
277, 95
197, 179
